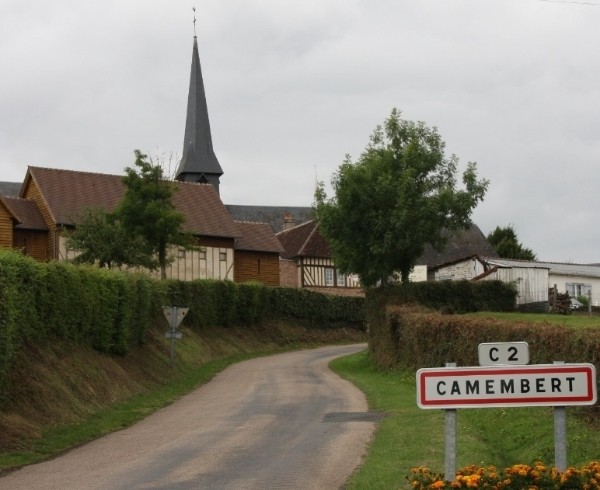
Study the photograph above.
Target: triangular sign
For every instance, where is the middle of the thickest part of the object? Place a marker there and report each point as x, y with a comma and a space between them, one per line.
174, 315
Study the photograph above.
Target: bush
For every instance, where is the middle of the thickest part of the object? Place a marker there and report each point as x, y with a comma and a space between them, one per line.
111, 311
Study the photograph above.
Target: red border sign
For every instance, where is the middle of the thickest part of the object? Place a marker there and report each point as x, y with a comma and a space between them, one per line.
507, 386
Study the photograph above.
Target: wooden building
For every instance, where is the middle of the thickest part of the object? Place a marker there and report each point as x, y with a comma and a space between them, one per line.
22, 227
257, 254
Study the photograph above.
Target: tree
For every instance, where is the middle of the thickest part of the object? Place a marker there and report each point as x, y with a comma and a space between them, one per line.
100, 239
147, 211
142, 228
505, 242
399, 196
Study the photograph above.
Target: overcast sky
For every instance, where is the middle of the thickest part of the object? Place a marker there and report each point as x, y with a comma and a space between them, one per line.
292, 87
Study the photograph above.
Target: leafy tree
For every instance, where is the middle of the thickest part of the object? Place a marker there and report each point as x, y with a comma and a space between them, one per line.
505, 242
100, 239
147, 211
399, 196
142, 228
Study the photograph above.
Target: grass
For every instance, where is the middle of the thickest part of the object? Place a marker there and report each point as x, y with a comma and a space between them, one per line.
410, 437
57, 440
578, 319
66, 395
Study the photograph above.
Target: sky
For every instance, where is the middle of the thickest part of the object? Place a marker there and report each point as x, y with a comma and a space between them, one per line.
293, 87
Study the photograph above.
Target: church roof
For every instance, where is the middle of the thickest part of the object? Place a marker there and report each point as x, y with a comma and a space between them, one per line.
67, 193
198, 154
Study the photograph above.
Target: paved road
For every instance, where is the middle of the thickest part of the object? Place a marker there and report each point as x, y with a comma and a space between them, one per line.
280, 422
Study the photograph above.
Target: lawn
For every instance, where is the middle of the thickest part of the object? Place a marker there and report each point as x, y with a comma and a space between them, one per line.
576, 319
409, 437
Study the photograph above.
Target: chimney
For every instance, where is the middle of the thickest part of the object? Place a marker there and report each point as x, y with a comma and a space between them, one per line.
288, 221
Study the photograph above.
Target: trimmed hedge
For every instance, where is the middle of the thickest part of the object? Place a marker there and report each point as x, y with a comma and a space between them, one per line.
111, 311
419, 339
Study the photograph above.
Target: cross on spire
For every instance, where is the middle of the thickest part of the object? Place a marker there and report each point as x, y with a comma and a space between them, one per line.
194, 9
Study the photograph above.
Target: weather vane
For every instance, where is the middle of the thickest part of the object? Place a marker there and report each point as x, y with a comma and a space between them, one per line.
194, 9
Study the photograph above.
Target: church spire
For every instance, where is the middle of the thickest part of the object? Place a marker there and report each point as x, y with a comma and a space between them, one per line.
199, 162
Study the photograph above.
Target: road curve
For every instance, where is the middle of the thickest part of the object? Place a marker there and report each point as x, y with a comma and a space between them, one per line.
279, 422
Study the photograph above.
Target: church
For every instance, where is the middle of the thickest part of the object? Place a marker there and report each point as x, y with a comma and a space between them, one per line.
274, 245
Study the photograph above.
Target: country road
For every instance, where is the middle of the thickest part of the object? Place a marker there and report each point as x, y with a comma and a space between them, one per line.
279, 422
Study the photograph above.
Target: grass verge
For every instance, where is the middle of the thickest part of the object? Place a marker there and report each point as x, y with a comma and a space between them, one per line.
409, 437
65, 395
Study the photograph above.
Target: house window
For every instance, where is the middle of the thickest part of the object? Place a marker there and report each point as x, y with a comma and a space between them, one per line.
223, 256
202, 254
341, 279
328, 277
577, 289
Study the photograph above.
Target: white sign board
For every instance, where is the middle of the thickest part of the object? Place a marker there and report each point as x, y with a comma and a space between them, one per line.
507, 386
501, 353
174, 315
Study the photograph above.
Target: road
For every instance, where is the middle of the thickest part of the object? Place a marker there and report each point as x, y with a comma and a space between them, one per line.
279, 422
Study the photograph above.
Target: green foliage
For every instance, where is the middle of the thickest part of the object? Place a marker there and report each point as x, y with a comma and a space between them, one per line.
111, 311
406, 337
398, 197
316, 309
507, 246
148, 212
140, 231
99, 237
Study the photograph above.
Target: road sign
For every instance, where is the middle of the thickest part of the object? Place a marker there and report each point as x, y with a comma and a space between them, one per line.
173, 335
501, 353
174, 315
507, 386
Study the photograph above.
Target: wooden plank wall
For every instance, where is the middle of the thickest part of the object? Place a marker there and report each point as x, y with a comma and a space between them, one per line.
6, 228
256, 266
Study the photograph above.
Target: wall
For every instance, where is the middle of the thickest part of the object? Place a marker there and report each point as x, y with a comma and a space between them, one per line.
256, 266
562, 280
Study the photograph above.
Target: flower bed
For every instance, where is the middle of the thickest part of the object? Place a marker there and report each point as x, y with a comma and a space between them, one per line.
517, 477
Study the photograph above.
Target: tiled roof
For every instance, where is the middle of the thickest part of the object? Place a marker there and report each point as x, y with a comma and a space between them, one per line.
461, 244
10, 189
68, 193
270, 214
25, 212
304, 240
257, 237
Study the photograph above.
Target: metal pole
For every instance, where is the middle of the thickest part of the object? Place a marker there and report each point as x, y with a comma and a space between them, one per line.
173, 327
560, 435
450, 440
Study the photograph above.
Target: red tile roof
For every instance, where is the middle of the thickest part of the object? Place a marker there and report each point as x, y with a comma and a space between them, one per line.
304, 240
67, 193
25, 212
257, 237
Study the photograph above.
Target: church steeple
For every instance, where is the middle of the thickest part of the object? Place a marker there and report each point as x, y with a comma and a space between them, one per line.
199, 162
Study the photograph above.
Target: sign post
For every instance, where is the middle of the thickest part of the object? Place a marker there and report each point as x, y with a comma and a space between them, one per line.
560, 434
450, 439
174, 316
505, 380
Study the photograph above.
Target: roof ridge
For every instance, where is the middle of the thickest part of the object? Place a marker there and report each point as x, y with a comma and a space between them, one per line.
306, 223
73, 171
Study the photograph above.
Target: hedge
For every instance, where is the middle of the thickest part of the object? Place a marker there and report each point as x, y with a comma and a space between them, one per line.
111, 311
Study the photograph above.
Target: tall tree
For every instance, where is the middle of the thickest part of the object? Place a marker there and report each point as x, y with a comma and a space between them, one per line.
399, 196
142, 228
507, 245
147, 211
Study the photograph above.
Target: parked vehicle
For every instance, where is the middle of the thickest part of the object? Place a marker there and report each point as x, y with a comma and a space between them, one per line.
576, 304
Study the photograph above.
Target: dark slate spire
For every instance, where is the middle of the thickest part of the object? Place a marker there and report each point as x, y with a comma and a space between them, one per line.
199, 162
